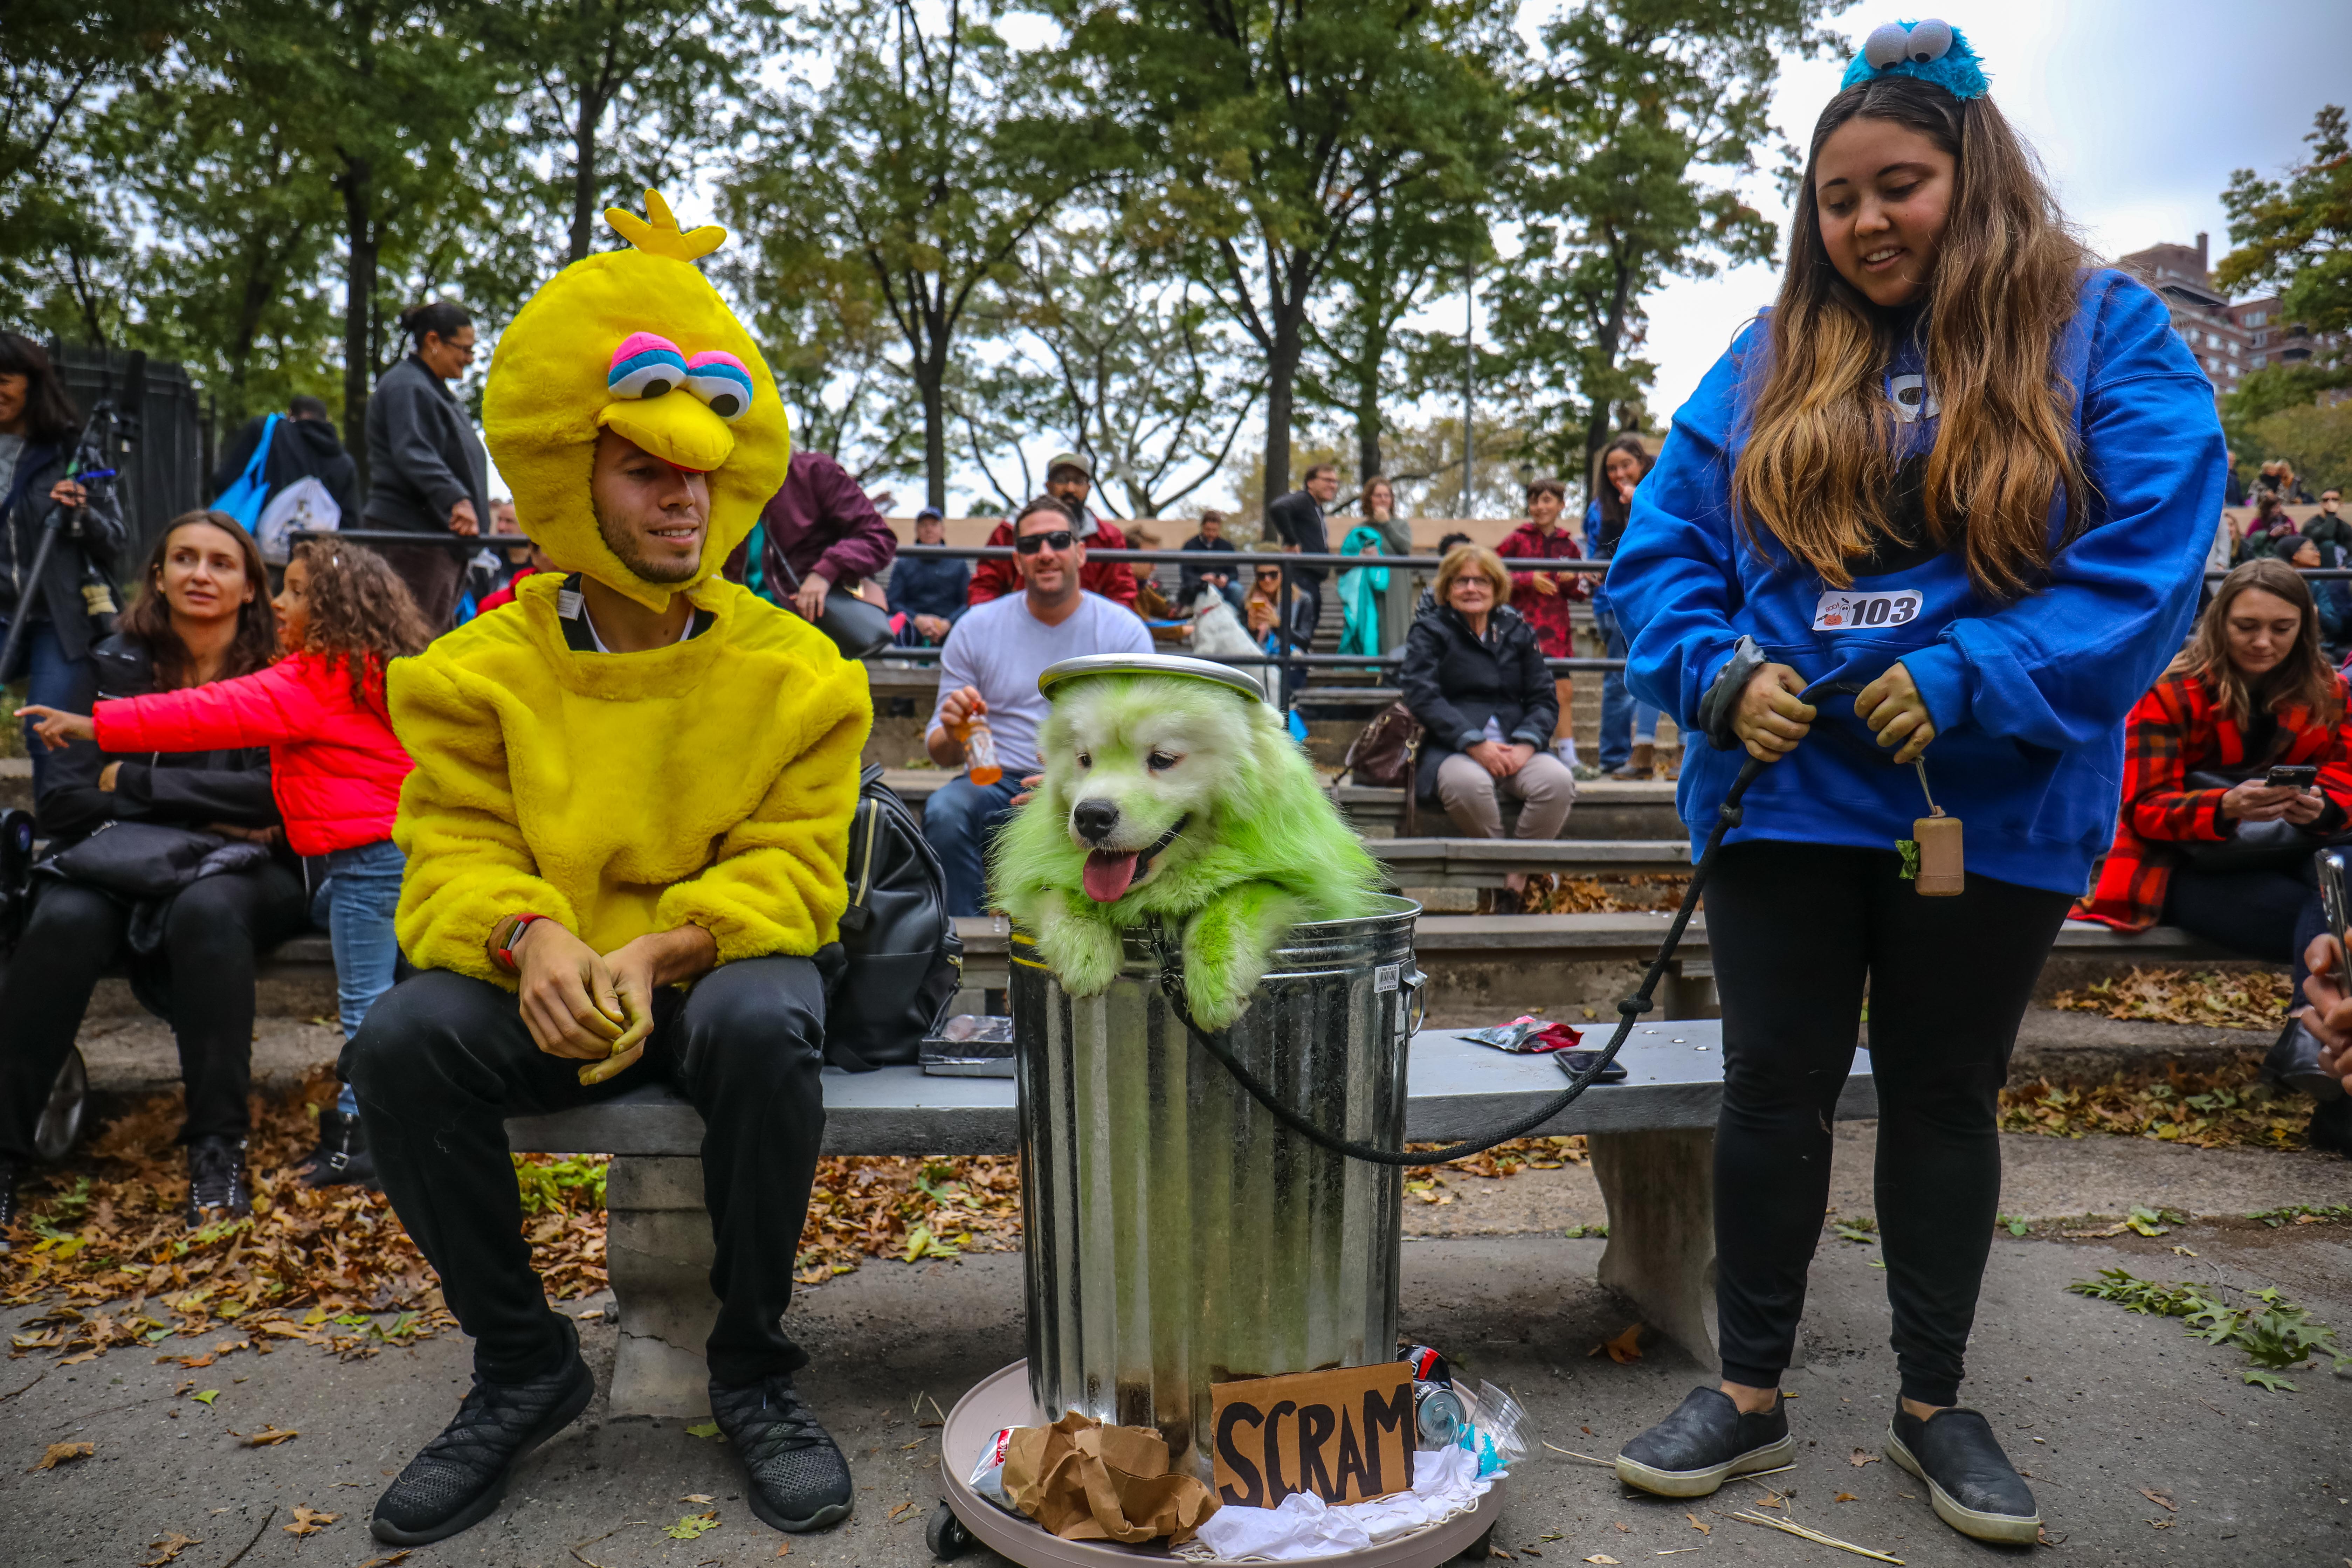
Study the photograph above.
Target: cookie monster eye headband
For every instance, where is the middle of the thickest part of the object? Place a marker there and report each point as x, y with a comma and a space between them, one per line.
1931, 51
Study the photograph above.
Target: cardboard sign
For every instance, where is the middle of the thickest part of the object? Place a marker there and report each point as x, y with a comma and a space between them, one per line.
1346, 1436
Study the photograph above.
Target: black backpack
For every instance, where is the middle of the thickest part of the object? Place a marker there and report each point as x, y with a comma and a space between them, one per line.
904, 963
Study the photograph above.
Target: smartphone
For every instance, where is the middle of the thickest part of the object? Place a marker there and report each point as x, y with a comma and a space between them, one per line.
2335, 868
2293, 777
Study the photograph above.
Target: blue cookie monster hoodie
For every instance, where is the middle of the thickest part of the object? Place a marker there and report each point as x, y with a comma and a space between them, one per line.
2028, 698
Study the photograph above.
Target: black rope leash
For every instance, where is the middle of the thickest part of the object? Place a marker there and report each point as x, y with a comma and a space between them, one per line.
1171, 985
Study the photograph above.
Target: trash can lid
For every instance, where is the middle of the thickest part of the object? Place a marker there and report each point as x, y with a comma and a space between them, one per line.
1147, 664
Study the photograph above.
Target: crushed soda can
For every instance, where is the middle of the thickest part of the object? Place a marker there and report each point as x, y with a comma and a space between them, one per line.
1526, 1035
1427, 1366
988, 1475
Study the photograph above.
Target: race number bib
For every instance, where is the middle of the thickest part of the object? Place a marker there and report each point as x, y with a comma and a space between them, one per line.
1841, 610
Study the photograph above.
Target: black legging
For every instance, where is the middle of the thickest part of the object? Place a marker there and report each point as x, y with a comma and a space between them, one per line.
211, 935
2269, 915
1797, 930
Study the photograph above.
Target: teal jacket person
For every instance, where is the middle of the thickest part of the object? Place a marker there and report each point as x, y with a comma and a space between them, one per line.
2028, 696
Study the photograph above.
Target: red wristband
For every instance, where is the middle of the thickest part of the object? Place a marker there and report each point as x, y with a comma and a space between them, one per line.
502, 953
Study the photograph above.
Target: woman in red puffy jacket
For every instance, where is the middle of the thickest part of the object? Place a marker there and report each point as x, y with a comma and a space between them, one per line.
336, 767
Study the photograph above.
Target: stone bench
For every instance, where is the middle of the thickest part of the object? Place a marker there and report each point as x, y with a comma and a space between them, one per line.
1651, 1141
1484, 862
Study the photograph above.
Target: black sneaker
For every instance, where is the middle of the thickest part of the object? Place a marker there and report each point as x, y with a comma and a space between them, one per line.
217, 1189
458, 1478
1970, 1483
1705, 1442
799, 1479
341, 1158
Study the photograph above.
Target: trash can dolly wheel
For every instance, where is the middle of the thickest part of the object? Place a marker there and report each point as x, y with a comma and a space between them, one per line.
944, 1533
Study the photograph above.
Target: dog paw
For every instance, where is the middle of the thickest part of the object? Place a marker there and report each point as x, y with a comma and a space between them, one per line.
1084, 955
1226, 948
1217, 1000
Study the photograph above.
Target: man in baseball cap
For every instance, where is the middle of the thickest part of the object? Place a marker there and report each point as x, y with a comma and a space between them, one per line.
1070, 480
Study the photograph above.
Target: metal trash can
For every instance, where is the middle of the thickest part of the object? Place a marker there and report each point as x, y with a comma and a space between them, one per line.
1175, 1234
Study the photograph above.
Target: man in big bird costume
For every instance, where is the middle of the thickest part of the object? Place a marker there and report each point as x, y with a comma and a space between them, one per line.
626, 839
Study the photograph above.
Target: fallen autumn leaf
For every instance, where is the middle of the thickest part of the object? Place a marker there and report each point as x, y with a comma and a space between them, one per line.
270, 1437
59, 1453
2160, 1500
1625, 1348
170, 1546
1863, 1456
309, 1520
1696, 1524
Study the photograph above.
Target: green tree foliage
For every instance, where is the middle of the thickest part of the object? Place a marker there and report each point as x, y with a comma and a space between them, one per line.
1639, 116
2296, 235
629, 92
61, 62
1260, 133
2317, 440
925, 159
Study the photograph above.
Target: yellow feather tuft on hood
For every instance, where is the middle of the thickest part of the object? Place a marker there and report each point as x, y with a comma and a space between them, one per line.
547, 397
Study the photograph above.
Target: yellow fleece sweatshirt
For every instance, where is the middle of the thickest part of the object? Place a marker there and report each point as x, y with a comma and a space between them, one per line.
710, 782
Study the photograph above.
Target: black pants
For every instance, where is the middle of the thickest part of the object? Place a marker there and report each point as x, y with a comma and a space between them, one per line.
443, 1059
203, 973
2271, 915
1797, 930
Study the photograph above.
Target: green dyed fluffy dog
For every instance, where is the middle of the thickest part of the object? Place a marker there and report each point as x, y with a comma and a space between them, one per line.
1173, 796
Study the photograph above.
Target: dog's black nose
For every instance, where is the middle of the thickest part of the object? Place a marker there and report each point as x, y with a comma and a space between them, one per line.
1095, 819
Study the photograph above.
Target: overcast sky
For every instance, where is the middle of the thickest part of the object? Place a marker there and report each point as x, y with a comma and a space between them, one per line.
2140, 110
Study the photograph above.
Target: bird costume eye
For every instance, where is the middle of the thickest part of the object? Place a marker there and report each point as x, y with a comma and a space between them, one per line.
720, 380
646, 365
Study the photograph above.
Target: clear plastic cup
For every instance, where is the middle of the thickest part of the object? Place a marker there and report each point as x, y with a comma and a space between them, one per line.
979, 753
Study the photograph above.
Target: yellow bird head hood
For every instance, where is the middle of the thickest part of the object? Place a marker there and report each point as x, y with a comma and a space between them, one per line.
637, 341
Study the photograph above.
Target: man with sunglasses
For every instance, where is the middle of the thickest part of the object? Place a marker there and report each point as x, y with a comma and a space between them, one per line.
1070, 480
988, 667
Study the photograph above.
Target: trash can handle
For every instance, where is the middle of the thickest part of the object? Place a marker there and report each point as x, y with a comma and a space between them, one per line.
1416, 1001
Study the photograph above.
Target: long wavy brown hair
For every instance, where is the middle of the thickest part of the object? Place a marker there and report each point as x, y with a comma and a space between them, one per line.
362, 616
149, 618
1819, 463
2302, 678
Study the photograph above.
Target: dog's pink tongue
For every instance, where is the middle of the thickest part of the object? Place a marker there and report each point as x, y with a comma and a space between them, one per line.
1108, 875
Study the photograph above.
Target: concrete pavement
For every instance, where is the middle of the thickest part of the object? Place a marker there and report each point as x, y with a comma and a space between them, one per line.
2120, 1403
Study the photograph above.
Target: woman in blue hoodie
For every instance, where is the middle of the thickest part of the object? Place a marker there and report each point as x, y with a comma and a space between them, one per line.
1970, 477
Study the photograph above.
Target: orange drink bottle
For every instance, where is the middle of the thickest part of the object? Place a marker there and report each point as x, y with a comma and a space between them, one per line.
979, 753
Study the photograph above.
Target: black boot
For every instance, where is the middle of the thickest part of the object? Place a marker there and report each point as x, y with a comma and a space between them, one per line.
2331, 1126
458, 1478
1971, 1485
1705, 1442
217, 1189
341, 1157
799, 1479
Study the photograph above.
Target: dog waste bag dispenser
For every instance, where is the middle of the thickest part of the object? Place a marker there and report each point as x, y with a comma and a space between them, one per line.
1176, 1235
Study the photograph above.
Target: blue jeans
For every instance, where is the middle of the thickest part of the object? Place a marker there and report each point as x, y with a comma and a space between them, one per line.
959, 819
1623, 720
69, 684
355, 904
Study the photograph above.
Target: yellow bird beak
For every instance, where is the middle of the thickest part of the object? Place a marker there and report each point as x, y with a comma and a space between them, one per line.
677, 427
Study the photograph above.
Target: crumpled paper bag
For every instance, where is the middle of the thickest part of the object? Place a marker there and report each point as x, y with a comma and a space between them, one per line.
1087, 1481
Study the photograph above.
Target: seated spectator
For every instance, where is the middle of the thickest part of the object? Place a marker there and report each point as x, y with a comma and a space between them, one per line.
926, 590
1475, 678
1070, 480
200, 616
1542, 597
2328, 525
2278, 478
1192, 579
533, 561
2250, 692
1263, 614
2269, 527
304, 447
818, 530
989, 668
492, 567
2328, 592
1447, 543
335, 768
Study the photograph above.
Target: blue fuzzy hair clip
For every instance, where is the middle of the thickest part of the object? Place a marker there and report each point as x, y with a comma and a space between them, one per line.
1932, 51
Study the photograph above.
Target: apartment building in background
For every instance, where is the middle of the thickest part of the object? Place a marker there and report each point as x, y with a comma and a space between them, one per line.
2229, 341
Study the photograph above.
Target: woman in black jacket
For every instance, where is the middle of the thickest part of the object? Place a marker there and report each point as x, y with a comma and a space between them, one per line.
37, 431
427, 473
202, 615
1476, 678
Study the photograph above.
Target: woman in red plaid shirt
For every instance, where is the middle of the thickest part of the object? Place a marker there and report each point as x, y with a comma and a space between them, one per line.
2252, 691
